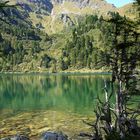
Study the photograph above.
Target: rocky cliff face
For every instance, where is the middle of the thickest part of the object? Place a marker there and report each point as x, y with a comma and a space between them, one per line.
37, 6
85, 3
53, 15
46, 6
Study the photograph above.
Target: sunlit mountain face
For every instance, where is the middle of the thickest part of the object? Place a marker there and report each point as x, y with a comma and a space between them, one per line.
41, 32
46, 14
53, 16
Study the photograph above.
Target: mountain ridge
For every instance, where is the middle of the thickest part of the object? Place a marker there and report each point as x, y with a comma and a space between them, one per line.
73, 41
53, 16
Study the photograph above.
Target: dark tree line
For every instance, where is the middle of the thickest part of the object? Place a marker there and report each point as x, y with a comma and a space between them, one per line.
19, 40
82, 50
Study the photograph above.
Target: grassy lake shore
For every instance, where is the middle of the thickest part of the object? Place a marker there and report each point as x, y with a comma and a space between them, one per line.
69, 71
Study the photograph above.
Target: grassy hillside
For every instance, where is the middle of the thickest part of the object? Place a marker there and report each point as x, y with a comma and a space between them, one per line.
128, 10
25, 48
53, 16
75, 41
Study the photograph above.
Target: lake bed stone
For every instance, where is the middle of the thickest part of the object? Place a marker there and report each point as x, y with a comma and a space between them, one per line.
54, 136
17, 137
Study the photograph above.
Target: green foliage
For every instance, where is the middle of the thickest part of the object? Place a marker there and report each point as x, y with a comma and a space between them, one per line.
24, 47
83, 49
122, 56
21, 45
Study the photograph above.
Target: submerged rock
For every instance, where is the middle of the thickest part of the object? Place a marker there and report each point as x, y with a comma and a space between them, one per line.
54, 136
5, 139
18, 137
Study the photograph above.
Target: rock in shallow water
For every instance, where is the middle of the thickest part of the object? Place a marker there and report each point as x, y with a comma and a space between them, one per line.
45, 136
54, 136
18, 137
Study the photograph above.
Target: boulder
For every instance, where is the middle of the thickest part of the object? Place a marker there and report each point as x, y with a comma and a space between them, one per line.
54, 136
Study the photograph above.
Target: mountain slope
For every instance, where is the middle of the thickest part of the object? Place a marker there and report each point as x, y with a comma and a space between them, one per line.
20, 42
128, 10
53, 16
76, 32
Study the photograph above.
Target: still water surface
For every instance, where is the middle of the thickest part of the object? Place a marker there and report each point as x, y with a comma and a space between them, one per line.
32, 104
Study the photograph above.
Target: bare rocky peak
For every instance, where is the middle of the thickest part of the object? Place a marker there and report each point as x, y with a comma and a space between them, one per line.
47, 5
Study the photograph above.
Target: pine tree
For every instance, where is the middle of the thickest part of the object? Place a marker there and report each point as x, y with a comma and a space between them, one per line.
123, 58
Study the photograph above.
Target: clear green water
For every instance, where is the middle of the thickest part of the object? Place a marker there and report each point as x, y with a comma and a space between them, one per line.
32, 104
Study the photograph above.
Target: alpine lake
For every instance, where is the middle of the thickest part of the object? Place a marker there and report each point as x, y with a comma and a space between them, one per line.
31, 104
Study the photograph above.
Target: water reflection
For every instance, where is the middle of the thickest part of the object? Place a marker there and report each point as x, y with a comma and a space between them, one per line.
74, 93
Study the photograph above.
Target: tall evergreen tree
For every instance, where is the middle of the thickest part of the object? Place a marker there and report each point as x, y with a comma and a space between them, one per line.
123, 58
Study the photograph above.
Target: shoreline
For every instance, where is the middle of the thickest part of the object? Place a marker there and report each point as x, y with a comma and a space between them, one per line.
81, 71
